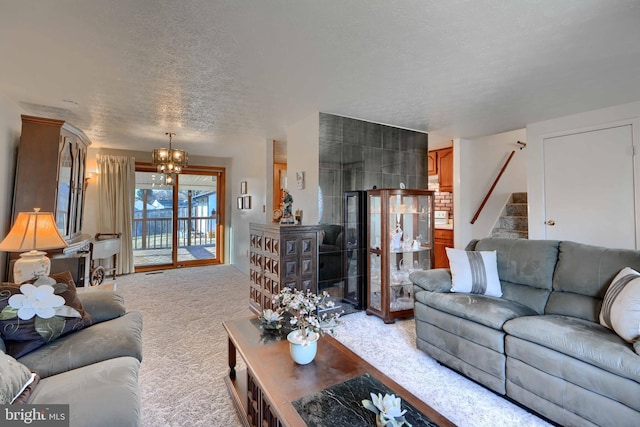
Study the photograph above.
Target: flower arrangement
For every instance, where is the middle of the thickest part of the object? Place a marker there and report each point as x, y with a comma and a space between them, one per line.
301, 310
388, 410
270, 319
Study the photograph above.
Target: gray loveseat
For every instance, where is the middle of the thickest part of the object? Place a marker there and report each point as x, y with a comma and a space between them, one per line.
541, 343
94, 369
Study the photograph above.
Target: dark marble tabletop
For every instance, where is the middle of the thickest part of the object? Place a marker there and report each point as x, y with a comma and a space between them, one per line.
341, 405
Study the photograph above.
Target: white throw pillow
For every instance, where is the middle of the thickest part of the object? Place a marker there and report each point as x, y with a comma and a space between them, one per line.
621, 305
474, 272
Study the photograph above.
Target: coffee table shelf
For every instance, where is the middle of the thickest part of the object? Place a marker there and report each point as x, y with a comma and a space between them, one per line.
264, 393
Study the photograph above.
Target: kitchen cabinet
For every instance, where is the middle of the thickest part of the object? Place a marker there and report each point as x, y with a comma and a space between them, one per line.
399, 241
432, 163
445, 169
443, 161
50, 172
442, 239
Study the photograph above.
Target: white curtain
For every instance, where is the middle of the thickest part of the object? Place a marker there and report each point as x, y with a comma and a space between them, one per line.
116, 188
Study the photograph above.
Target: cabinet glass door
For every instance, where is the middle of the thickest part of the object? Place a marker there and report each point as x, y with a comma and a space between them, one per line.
410, 248
79, 187
65, 188
354, 241
375, 241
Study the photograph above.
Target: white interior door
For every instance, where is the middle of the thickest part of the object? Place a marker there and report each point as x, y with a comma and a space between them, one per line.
589, 187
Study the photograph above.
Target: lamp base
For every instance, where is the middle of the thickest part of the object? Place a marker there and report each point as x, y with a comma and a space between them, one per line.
31, 265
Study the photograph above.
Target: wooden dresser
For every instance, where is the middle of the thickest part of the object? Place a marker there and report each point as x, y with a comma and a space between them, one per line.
281, 255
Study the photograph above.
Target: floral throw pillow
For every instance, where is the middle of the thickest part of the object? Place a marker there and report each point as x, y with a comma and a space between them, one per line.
34, 314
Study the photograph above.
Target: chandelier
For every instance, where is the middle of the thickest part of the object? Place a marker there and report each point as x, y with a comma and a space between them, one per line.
169, 161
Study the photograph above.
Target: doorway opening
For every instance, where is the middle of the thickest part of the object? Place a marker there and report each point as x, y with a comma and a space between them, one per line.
179, 224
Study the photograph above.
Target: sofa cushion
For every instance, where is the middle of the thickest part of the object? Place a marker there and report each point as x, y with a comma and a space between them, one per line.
436, 280
103, 394
621, 305
102, 305
24, 328
524, 262
14, 378
486, 310
474, 272
119, 337
331, 234
581, 339
585, 270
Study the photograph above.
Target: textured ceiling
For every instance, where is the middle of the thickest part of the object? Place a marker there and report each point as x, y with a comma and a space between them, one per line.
216, 72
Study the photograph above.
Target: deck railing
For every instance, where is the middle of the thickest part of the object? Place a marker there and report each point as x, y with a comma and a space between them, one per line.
156, 233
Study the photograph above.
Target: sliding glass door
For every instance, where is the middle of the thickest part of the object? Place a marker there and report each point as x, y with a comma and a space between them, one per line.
197, 217
178, 224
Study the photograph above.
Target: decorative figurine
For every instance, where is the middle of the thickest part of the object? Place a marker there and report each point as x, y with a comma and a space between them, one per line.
287, 216
396, 238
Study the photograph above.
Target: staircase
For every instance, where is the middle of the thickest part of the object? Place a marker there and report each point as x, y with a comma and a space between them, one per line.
513, 222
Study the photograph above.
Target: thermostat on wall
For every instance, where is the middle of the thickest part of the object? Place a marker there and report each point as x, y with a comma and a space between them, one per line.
300, 180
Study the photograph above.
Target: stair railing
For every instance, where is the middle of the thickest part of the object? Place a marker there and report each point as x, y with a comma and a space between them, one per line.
484, 201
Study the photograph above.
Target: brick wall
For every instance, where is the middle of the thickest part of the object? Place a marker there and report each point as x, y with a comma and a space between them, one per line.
444, 202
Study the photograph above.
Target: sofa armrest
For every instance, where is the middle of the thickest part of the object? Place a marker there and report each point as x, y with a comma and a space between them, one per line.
102, 341
102, 305
436, 280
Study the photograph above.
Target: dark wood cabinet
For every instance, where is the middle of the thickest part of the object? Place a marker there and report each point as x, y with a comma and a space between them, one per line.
442, 239
50, 172
76, 264
281, 255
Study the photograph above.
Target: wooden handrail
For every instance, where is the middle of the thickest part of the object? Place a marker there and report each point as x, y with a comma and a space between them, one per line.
484, 202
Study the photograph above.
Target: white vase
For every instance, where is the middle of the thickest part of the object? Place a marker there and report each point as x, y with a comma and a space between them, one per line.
303, 350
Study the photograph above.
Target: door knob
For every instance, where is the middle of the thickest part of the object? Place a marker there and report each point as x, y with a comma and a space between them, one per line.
551, 222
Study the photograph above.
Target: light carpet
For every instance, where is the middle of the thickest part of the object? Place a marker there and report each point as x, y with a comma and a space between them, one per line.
185, 353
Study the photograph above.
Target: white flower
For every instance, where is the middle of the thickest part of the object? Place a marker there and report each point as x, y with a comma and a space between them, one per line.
303, 307
271, 316
389, 405
36, 301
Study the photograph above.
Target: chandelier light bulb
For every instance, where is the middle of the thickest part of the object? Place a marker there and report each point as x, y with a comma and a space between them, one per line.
169, 161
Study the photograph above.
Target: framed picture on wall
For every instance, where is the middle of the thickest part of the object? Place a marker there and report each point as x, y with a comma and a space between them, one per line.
243, 187
246, 202
240, 202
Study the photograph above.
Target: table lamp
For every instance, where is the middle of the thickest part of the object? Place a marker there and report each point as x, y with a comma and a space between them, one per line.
32, 232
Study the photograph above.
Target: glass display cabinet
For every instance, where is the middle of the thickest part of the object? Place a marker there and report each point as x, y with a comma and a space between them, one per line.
355, 259
400, 241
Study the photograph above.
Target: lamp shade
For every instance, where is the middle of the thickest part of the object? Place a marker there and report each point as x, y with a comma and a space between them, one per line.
33, 231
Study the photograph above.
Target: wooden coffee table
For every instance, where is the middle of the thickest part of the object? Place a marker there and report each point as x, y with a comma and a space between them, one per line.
268, 391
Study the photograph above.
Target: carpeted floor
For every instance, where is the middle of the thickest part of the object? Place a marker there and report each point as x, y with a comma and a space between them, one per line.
185, 353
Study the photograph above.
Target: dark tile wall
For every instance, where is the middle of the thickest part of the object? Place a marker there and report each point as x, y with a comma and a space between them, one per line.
357, 155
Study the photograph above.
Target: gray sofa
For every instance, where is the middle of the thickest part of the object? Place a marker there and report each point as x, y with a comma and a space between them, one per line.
94, 369
541, 343
330, 255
